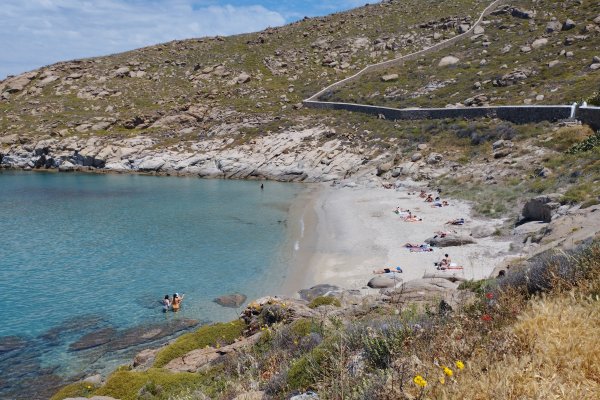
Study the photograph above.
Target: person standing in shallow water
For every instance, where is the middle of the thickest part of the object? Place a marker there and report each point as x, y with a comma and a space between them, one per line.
166, 302
262, 186
176, 305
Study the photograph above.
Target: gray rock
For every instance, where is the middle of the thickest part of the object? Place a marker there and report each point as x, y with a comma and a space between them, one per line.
434, 158
541, 208
151, 164
539, 43
317, 291
479, 30
389, 77
243, 78
416, 157
482, 231
66, 166
553, 63
448, 60
383, 282
553, 26
383, 168
524, 14
145, 358
568, 24
121, 72
234, 300
306, 396
450, 241
594, 67
597, 20
503, 152
463, 28
596, 59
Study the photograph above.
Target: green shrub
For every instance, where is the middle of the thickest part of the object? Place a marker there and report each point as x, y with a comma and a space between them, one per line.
479, 287
210, 335
324, 301
586, 145
77, 389
157, 383
304, 372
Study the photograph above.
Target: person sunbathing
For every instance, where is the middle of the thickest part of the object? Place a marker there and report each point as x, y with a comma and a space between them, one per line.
422, 194
449, 267
413, 218
420, 249
401, 211
412, 245
458, 221
387, 270
429, 198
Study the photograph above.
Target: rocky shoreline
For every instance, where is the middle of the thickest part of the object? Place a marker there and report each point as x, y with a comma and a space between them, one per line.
303, 155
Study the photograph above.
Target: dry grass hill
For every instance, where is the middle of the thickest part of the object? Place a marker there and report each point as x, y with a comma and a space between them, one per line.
231, 107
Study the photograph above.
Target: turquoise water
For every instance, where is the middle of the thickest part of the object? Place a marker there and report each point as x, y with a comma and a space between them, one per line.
82, 252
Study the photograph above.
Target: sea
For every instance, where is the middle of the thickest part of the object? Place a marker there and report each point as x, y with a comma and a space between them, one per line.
86, 258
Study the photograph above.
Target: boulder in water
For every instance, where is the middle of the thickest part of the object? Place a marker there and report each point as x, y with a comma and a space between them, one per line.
234, 300
93, 339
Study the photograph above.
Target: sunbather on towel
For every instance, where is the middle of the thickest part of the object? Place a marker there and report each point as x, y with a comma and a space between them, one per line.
413, 218
387, 270
420, 249
458, 221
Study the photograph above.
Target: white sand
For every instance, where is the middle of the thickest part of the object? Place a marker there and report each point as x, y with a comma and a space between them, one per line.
348, 232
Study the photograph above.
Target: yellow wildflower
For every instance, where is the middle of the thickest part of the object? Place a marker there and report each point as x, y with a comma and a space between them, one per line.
442, 380
448, 371
459, 364
419, 381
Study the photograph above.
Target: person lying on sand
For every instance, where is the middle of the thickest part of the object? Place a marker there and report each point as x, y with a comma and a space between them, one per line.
413, 218
387, 270
401, 211
451, 267
443, 234
420, 249
414, 246
458, 221
440, 204
429, 199
422, 194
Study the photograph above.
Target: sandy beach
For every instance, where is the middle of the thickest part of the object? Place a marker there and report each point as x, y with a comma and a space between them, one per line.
343, 234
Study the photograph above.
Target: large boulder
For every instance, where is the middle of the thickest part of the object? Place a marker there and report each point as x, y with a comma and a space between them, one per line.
448, 60
450, 240
539, 43
541, 208
317, 291
383, 282
231, 300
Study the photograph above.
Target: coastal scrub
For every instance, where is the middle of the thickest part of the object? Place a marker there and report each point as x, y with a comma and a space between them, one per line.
210, 335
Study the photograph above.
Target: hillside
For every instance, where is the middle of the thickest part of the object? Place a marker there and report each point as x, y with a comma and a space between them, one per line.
231, 107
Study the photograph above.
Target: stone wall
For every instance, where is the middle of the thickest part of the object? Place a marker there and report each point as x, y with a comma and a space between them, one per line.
515, 114
590, 116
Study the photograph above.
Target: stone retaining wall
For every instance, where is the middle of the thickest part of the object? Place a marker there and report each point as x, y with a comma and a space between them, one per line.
590, 116
516, 114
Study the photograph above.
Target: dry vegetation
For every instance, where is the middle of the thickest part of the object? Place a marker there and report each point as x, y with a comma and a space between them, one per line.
532, 334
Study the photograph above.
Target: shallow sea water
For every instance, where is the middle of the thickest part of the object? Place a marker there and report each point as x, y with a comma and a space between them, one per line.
80, 253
